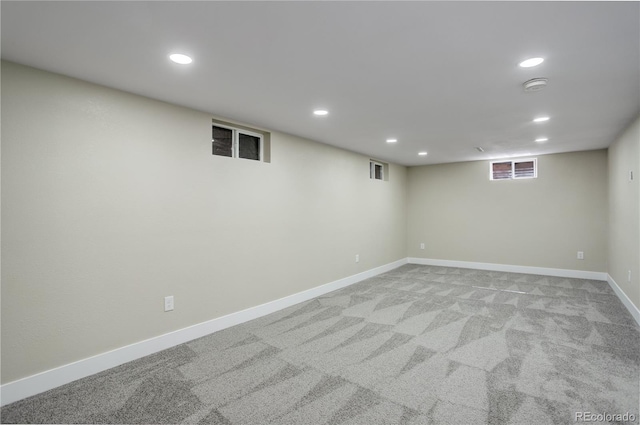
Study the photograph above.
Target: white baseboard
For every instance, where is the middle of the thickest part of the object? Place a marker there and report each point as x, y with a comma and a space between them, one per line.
579, 274
35, 384
633, 309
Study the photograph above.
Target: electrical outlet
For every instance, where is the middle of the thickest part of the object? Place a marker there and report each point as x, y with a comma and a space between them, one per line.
168, 303
422, 245
357, 258
580, 255
629, 276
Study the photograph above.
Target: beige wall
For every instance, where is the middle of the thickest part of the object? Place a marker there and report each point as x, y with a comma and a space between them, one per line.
461, 215
624, 212
111, 201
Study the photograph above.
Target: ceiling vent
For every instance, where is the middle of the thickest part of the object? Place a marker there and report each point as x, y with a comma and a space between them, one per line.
535, 84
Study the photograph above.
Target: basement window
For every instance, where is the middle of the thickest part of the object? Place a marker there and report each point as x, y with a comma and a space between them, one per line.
514, 169
378, 170
237, 143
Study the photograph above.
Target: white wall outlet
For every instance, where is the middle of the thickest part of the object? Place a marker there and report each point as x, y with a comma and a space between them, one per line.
422, 245
580, 255
168, 303
629, 276
357, 258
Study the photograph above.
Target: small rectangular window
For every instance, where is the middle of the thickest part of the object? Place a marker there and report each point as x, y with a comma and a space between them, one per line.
236, 143
501, 170
379, 174
514, 169
248, 146
524, 169
376, 170
222, 141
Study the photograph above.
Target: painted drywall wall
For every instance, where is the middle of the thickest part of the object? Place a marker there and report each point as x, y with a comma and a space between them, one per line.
112, 201
624, 212
460, 214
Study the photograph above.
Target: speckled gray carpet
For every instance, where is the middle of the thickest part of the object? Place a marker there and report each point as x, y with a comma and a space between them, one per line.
417, 345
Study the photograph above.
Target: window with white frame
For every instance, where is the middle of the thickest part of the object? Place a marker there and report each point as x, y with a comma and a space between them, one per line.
376, 170
514, 169
237, 143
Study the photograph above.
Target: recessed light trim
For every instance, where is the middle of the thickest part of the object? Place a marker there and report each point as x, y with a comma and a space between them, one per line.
392, 140
320, 112
531, 62
180, 58
423, 153
541, 119
541, 139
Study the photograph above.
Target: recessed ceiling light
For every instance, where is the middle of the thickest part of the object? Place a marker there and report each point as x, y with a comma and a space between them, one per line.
541, 119
180, 58
320, 112
392, 140
422, 153
531, 62
541, 139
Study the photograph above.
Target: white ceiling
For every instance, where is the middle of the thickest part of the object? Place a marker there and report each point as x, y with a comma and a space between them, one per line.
438, 76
